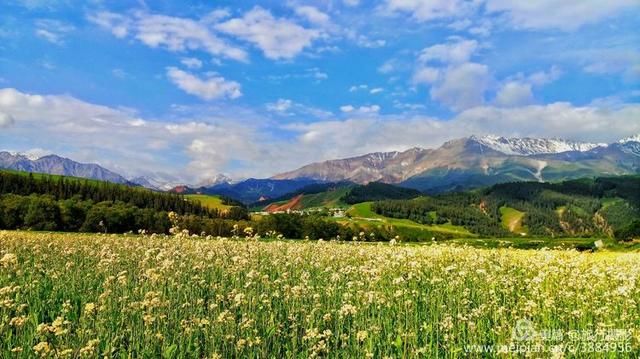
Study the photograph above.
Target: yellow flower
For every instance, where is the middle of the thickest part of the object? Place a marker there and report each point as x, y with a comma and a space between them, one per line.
89, 309
362, 335
8, 260
42, 349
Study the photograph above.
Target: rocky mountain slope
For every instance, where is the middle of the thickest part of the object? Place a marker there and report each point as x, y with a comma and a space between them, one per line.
480, 161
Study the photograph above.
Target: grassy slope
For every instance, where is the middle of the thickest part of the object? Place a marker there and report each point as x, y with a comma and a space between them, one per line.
327, 199
361, 213
213, 202
512, 219
37, 175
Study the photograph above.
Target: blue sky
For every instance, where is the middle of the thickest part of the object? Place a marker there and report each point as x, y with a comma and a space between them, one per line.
185, 91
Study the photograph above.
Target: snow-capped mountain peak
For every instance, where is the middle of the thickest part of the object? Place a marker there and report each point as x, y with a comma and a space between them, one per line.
534, 146
635, 138
215, 180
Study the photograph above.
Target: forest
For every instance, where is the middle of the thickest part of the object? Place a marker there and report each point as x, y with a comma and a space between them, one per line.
57, 203
585, 207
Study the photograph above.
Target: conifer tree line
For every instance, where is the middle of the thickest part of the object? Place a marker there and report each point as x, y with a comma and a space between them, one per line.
44, 202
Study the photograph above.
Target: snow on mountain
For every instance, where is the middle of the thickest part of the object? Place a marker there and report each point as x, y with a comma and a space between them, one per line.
635, 138
220, 178
159, 182
534, 146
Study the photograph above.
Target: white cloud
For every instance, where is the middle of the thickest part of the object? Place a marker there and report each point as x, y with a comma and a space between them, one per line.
426, 10
607, 61
365, 134
387, 67
518, 90
206, 145
351, 2
278, 38
289, 107
53, 31
362, 110
426, 75
6, 120
173, 33
207, 89
455, 81
545, 77
462, 86
376, 90
282, 105
347, 108
356, 88
514, 93
118, 24
312, 14
191, 62
121, 141
457, 51
564, 15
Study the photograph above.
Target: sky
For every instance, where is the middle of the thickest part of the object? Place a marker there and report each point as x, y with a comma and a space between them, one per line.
186, 90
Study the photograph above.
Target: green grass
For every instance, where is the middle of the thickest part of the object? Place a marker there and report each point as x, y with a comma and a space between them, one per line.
211, 202
55, 177
328, 199
89, 295
362, 214
512, 219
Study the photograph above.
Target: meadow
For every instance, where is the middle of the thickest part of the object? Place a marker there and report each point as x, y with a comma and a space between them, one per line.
118, 296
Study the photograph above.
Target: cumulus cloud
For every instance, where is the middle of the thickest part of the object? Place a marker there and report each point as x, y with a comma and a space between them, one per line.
208, 89
462, 86
426, 75
6, 120
514, 93
518, 90
455, 81
564, 15
278, 38
175, 34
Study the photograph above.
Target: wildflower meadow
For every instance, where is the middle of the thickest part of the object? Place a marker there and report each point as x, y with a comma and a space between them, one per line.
114, 296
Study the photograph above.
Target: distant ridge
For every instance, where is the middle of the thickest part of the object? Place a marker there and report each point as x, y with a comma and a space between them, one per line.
56, 165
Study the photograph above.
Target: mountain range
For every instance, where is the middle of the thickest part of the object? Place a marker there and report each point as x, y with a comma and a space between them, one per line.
53, 164
480, 161
460, 164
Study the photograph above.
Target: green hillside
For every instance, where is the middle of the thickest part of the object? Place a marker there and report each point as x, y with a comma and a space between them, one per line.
512, 220
363, 215
210, 201
601, 207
